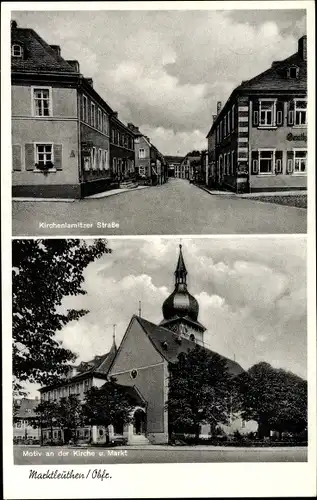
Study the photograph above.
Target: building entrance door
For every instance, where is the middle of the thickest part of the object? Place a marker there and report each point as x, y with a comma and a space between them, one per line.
139, 422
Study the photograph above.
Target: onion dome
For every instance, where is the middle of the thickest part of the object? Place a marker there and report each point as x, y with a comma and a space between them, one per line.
180, 303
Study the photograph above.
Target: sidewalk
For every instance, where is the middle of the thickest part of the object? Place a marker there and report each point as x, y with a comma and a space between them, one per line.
252, 195
103, 194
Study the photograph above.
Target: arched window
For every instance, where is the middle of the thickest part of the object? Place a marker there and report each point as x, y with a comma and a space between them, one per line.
17, 50
192, 337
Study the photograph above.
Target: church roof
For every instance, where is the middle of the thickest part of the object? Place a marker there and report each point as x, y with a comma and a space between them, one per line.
186, 318
170, 345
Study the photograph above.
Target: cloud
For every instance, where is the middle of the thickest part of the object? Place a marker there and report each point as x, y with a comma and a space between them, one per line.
165, 70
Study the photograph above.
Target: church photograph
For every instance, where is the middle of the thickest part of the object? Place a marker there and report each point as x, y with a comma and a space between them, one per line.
145, 344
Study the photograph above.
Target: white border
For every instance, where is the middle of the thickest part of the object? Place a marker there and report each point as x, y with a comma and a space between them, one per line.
168, 480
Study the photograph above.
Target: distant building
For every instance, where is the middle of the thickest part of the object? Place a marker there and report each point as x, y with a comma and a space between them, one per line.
25, 429
60, 125
122, 155
258, 139
151, 167
188, 165
173, 164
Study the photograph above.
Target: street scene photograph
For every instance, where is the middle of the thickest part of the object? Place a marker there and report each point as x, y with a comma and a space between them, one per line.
159, 350
163, 122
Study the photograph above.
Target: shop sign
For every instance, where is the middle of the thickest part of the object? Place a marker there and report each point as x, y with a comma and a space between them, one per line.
86, 148
301, 137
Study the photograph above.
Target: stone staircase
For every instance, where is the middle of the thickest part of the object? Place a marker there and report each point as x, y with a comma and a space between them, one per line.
128, 184
138, 440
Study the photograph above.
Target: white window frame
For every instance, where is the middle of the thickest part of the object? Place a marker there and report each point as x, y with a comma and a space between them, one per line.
85, 109
36, 155
232, 116
17, 45
232, 162
93, 158
99, 119
302, 99
225, 126
93, 114
228, 123
105, 124
105, 153
142, 156
273, 110
294, 157
50, 106
273, 150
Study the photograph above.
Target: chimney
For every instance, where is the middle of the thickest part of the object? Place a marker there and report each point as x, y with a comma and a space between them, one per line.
56, 49
218, 107
14, 25
302, 47
90, 81
74, 65
214, 118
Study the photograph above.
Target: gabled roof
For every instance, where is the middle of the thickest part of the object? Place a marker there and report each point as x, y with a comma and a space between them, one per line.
160, 335
272, 79
38, 55
134, 394
26, 408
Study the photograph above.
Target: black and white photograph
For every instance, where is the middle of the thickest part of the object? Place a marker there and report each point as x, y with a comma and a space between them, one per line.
162, 122
142, 351
158, 249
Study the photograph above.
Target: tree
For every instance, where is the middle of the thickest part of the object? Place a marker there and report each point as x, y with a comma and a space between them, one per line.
199, 391
108, 405
46, 416
44, 272
69, 416
275, 398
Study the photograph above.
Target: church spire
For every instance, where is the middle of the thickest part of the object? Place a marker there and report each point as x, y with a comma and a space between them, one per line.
181, 271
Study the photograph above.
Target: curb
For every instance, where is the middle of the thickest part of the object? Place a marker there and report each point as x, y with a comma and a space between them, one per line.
95, 197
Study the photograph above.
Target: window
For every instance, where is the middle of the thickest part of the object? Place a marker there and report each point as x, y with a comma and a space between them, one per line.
99, 119
293, 72
300, 161
232, 117
42, 102
136, 140
114, 165
133, 374
105, 124
141, 153
85, 109
44, 155
228, 122
93, 115
225, 126
300, 112
232, 162
267, 113
93, 158
192, 337
17, 50
266, 161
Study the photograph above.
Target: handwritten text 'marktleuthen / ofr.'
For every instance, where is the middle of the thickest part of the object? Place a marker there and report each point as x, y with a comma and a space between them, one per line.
100, 474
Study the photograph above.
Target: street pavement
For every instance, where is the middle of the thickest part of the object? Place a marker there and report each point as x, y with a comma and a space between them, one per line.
27, 455
176, 207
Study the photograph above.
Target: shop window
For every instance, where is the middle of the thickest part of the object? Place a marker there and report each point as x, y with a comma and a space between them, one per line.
300, 112
42, 101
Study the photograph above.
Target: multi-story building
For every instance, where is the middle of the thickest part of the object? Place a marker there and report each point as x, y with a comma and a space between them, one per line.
258, 140
188, 166
173, 164
122, 153
25, 428
151, 167
60, 124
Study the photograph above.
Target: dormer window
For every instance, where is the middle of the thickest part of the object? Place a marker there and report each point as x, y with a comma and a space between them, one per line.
17, 50
292, 72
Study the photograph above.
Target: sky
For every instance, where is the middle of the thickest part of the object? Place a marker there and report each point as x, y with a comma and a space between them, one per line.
251, 293
164, 71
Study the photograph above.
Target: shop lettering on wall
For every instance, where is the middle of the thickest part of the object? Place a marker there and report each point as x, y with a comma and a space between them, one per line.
86, 148
301, 137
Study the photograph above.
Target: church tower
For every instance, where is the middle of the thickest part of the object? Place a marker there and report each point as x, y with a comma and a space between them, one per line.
180, 309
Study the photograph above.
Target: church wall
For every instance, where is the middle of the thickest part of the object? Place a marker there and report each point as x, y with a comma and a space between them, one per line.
136, 350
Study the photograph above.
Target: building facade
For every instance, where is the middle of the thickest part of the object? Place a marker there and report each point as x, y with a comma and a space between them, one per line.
25, 429
258, 139
60, 125
122, 154
173, 164
151, 167
141, 366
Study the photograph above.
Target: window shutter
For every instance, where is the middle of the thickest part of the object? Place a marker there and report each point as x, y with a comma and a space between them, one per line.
279, 162
58, 156
255, 162
290, 162
290, 118
29, 157
279, 113
16, 157
255, 113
